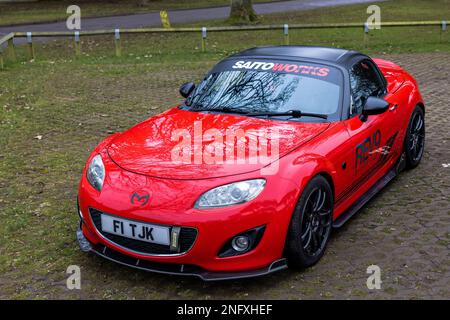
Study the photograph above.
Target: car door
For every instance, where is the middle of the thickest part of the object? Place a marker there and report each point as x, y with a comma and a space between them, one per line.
370, 137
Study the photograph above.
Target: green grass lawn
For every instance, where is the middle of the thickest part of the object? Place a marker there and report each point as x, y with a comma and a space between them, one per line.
393, 10
53, 111
72, 106
46, 10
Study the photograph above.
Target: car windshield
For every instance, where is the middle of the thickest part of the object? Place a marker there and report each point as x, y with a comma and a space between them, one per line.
283, 87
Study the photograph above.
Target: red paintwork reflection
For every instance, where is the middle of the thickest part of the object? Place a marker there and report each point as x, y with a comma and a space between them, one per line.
147, 147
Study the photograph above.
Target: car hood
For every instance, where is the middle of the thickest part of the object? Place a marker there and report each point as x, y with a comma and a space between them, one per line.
170, 144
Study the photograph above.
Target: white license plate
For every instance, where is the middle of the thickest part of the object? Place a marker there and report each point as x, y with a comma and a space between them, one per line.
135, 230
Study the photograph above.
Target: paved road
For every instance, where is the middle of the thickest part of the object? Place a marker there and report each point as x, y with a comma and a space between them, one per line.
179, 16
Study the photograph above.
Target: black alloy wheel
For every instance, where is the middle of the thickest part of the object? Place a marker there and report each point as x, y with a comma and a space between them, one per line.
415, 138
311, 224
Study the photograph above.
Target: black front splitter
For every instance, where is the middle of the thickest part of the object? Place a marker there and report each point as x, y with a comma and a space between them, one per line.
174, 269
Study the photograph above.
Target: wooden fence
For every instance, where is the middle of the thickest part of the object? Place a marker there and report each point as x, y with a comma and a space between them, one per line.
76, 35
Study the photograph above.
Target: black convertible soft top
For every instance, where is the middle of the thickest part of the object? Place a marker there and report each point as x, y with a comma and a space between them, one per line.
340, 57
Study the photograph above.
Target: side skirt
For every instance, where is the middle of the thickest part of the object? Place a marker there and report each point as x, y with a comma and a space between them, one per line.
380, 184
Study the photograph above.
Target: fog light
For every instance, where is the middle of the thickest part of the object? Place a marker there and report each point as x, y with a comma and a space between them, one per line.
240, 243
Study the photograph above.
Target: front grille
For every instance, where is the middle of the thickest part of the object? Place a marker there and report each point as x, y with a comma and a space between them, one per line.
186, 239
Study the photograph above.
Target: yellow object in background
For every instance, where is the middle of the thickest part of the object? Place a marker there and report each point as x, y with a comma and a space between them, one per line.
164, 19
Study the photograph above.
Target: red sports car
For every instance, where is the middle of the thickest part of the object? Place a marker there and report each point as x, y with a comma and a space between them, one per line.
274, 148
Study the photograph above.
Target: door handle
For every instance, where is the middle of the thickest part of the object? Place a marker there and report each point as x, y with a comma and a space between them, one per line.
393, 107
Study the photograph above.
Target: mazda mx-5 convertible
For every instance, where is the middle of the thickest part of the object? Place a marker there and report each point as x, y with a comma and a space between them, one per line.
274, 148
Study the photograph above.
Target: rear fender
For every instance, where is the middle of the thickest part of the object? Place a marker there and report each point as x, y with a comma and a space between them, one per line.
414, 98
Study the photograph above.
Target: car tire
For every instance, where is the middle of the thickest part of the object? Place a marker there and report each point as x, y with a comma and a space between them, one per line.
414, 143
311, 224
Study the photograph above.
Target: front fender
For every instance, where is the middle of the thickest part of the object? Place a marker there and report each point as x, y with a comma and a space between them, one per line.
303, 167
322, 155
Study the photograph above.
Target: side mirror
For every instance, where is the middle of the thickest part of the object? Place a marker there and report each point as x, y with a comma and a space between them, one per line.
186, 89
374, 106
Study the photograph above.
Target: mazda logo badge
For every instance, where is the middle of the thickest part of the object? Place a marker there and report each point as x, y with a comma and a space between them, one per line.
140, 198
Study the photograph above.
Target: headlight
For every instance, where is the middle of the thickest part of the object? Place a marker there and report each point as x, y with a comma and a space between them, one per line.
229, 194
96, 172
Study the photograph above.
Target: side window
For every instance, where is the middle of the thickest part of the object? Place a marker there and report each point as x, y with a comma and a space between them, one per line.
364, 82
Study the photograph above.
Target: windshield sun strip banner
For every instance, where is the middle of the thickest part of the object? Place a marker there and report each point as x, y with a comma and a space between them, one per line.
282, 67
322, 72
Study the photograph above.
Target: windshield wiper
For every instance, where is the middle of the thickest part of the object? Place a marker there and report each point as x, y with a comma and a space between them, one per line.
223, 109
291, 113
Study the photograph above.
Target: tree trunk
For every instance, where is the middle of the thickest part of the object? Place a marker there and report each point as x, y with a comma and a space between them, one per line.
242, 11
143, 3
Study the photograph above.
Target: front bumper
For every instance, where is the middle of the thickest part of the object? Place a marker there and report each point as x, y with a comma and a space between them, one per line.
171, 204
171, 268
